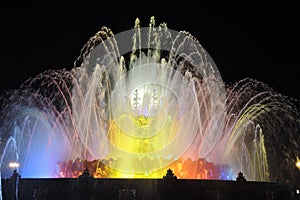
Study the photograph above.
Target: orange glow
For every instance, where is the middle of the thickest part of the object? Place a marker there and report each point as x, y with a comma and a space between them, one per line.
183, 169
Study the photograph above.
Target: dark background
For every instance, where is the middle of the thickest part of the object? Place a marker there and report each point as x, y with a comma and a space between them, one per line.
250, 40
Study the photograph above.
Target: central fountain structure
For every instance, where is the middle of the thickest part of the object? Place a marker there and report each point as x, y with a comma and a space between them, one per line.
143, 101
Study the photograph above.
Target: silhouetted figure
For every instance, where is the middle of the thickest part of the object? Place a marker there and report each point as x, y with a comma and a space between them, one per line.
85, 185
170, 175
15, 175
14, 182
169, 189
86, 174
241, 177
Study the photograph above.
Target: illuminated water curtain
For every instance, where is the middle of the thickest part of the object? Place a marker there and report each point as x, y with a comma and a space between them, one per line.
138, 103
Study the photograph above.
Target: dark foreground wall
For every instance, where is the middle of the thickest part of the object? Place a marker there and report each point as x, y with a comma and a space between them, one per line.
89, 188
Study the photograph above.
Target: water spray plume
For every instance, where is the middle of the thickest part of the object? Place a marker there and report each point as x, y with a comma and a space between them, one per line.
140, 102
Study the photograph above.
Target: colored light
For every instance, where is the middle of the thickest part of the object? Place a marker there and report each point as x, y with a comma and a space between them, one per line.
14, 165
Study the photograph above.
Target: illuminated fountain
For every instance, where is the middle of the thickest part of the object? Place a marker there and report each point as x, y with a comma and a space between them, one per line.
142, 101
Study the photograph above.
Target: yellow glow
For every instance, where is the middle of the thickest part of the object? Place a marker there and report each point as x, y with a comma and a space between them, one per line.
142, 141
141, 120
298, 163
181, 168
119, 174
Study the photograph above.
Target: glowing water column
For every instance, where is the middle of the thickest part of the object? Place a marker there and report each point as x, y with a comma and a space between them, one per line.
165, 103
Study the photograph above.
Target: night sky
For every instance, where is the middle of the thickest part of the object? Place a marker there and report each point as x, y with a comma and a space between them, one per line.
254, 40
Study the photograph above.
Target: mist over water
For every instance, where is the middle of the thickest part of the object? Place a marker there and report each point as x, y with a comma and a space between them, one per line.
148, 95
